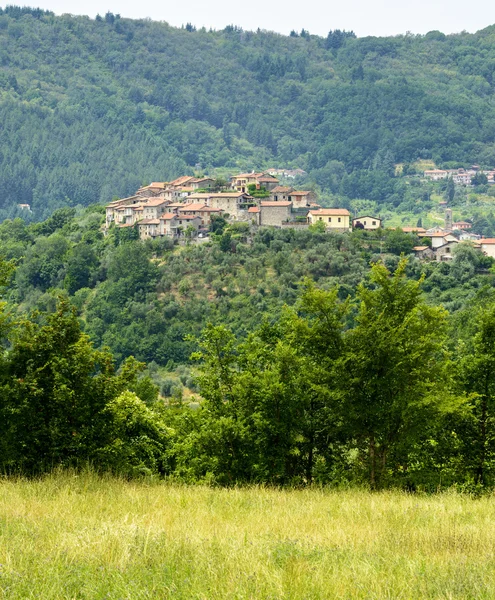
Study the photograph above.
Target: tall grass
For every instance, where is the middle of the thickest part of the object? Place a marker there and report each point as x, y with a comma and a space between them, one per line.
69, 536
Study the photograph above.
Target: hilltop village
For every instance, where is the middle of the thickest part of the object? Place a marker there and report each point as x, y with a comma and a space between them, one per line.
186, 206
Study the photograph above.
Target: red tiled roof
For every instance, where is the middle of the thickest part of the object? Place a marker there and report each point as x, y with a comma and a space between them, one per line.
168, 217
284, 203
330, 212
199, 196
267, 178
253, 209
366, 217
155, 202
191, 207
487, 241
181, 180
229, 195
413, 229
246, 175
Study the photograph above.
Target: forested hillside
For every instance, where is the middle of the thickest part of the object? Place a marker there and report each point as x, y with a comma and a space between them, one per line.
92, 108
276, 356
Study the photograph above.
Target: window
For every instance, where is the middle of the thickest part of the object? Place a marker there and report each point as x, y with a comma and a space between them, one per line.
447, 250
340, 219
329, 219
373, 222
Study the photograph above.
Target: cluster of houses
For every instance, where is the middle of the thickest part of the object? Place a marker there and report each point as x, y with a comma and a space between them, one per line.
187, 205
443, 240
459, 176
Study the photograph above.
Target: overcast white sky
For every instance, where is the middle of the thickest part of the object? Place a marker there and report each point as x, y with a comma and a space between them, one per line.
365, 17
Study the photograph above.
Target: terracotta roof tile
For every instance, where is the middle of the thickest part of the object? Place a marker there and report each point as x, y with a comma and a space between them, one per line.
330, 212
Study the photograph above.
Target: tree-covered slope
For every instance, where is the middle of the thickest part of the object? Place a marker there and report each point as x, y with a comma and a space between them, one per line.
92, 108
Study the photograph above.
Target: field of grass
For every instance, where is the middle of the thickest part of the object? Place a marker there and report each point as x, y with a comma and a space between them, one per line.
70, 536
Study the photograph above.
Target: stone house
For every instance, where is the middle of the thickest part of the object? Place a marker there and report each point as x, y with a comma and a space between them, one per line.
201, 183
301, 198
280, 192
423, 252
181, 182
153, 189
444, 252
235, 204
199, 210
254, 214
275, 213
149, 228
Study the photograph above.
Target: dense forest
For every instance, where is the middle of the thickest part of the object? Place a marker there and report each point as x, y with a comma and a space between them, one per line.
256, 355
91, 108
273, 356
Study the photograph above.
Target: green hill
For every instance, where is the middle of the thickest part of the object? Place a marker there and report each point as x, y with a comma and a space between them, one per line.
91, 108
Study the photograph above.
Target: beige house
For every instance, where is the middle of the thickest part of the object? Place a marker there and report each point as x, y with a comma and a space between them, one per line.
488, 246
128, 214
417, 230
461, 225
112, 208
367, 222
154, 208
337, 219
436, 174
244, 180
439, 239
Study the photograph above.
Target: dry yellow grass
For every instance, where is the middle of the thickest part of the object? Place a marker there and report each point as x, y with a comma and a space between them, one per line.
82, 536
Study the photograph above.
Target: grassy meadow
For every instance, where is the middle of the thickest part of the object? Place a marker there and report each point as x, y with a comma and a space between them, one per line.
68, 536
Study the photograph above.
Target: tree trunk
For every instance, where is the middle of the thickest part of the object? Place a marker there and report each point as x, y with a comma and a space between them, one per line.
372, 455
480, 471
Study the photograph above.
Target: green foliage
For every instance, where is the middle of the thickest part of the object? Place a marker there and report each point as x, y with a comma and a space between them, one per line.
138, 438
93, 111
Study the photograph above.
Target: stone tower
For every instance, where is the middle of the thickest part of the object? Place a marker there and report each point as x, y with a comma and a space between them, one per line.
448, 219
